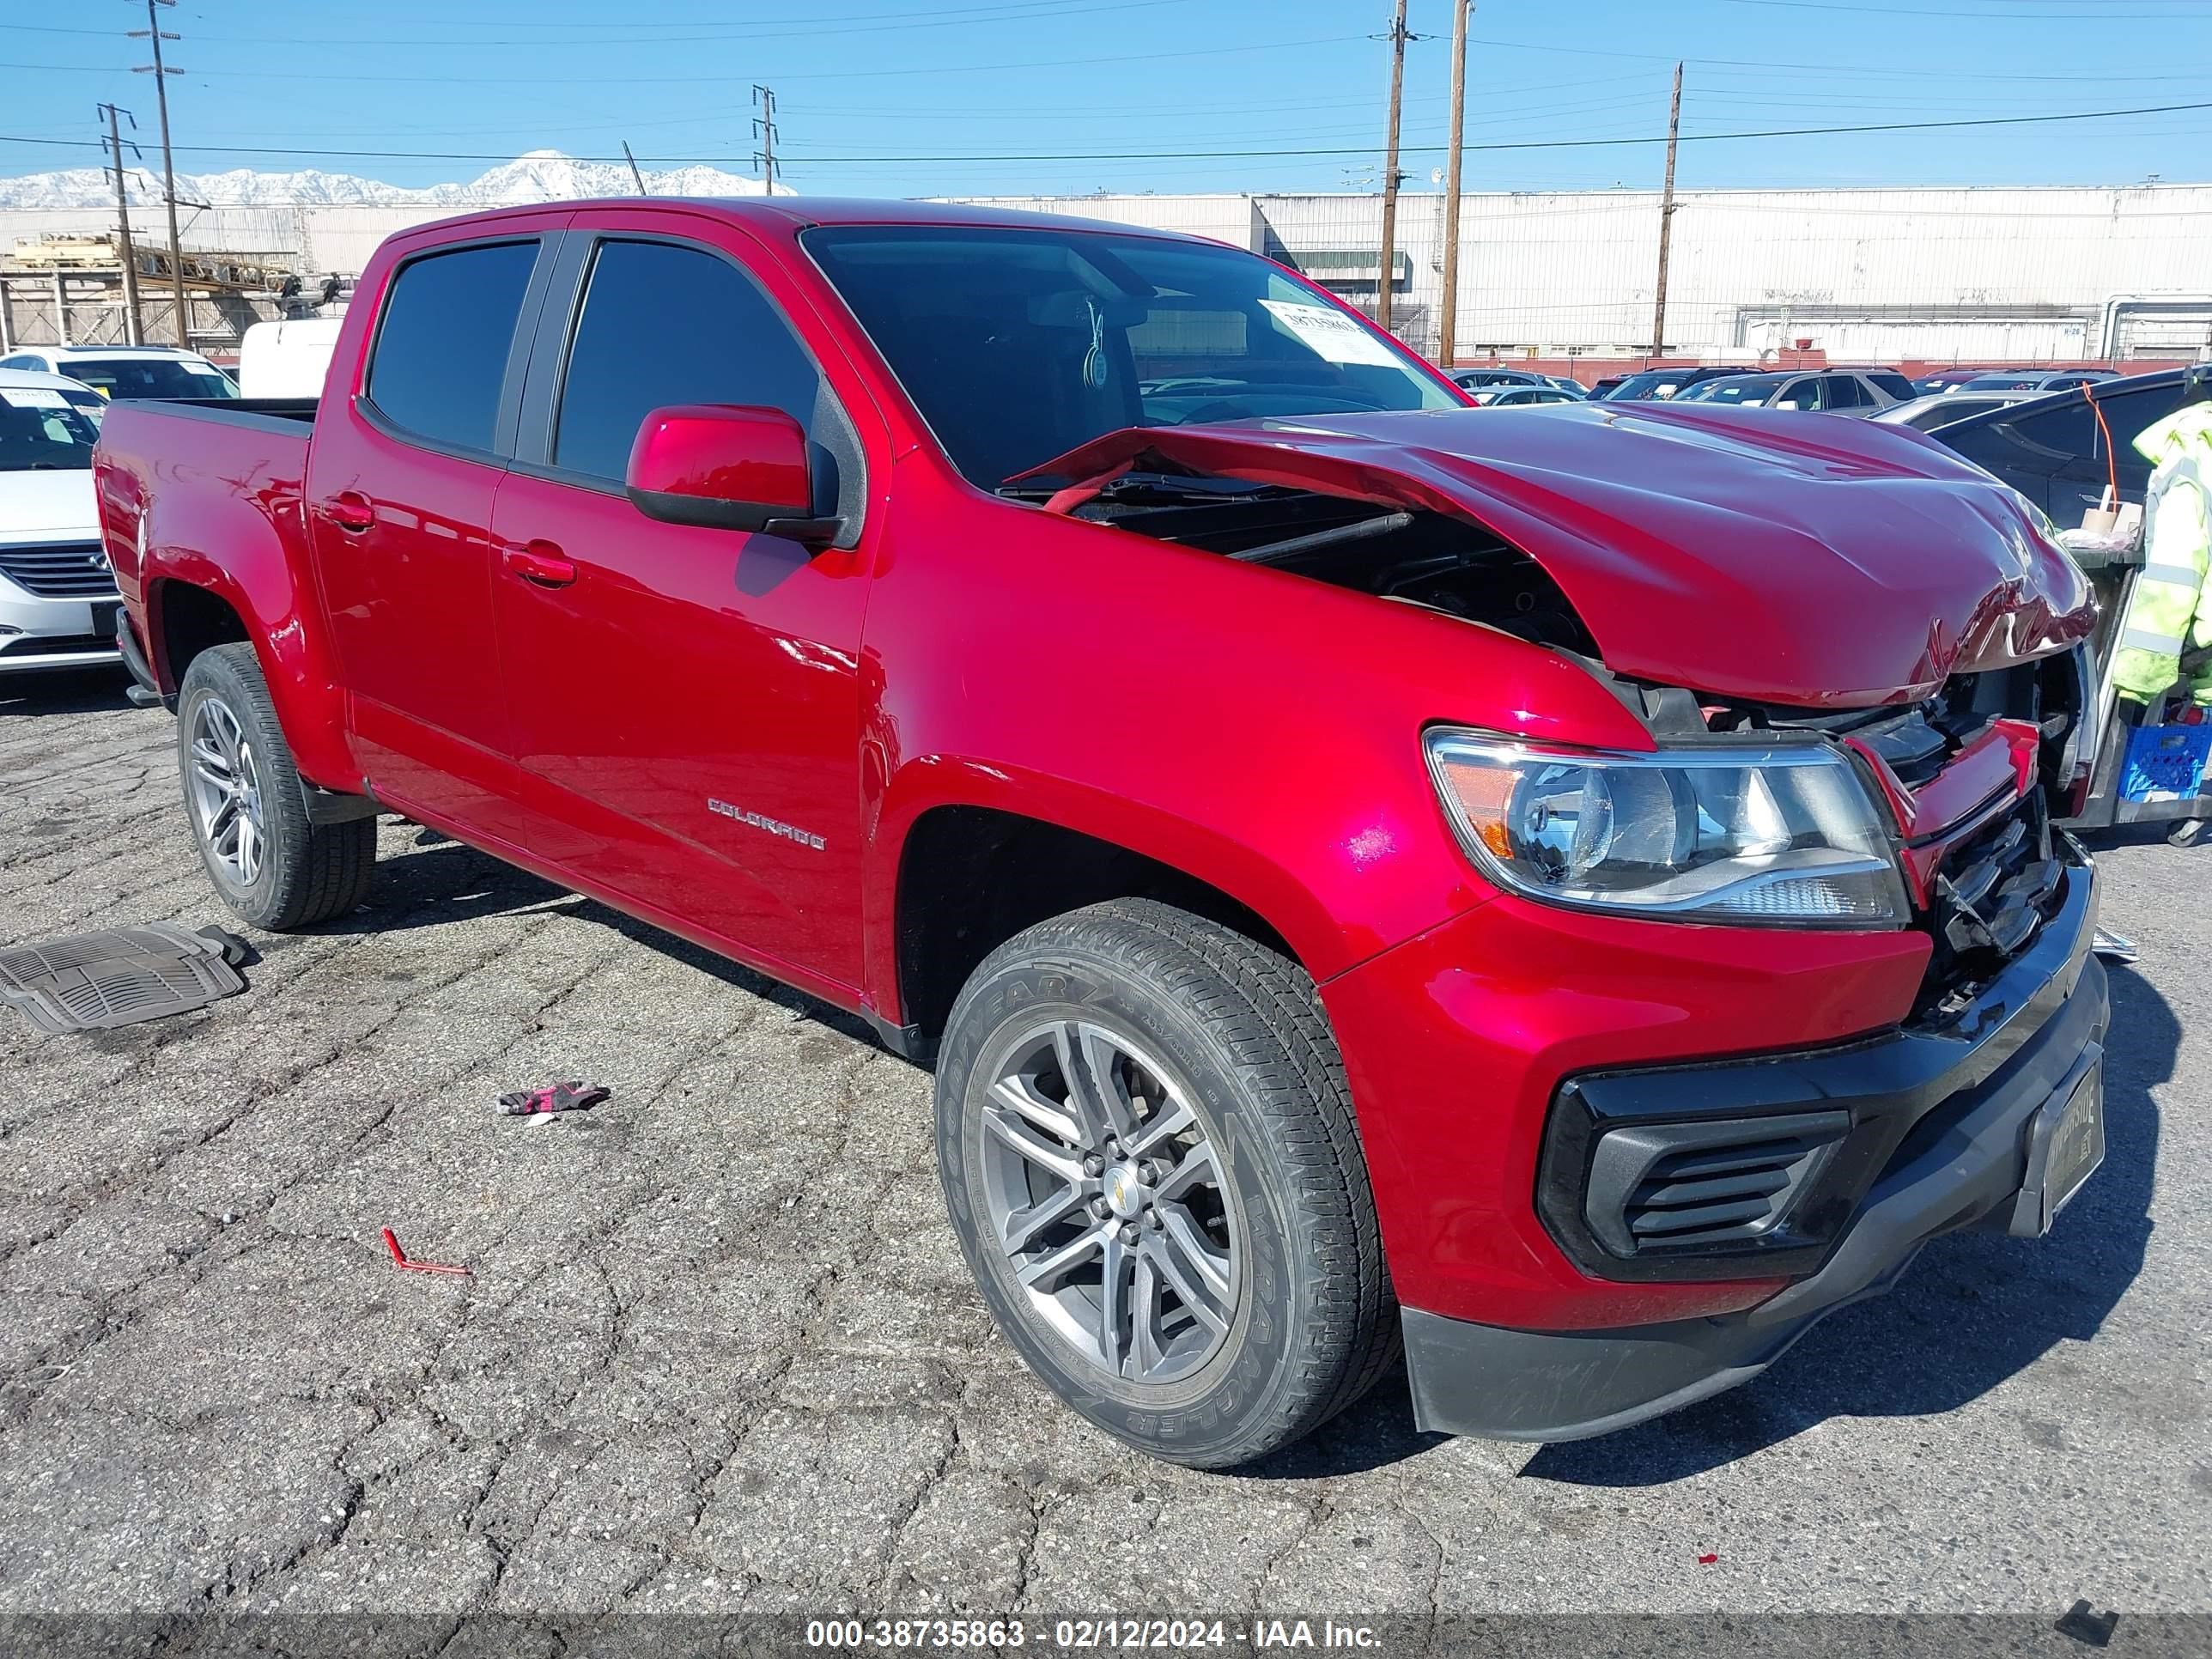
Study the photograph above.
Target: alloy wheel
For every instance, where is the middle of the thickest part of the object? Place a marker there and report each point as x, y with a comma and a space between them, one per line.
1106, 1192
226, 791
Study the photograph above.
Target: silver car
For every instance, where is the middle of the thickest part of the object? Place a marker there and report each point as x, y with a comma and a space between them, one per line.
1830, 391
58, 598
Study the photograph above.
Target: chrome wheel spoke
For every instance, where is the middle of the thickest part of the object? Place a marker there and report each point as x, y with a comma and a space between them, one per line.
1190, 1284
249, 848
1117, 1274
1094, 1096
1016, 1135
1019, 1094
1148, 1340
1048, 1270
1021, 1228
1196, 1168
1171, 1118
1192, 1246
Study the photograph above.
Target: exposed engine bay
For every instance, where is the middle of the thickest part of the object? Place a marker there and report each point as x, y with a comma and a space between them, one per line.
1428, 559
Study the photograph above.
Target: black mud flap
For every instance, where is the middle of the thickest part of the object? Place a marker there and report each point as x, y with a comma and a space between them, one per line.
120, 976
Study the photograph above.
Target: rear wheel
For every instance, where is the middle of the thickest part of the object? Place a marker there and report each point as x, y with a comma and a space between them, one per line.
270, 862
1149, 1154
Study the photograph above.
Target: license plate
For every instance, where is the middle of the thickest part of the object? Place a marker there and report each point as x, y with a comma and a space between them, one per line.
2077, 1142
2065, 1145
103, 621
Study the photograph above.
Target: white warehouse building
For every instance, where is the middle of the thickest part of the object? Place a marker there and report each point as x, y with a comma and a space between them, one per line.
1981, 274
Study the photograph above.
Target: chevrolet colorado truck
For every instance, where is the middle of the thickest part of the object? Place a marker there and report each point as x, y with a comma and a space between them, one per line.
1569, 893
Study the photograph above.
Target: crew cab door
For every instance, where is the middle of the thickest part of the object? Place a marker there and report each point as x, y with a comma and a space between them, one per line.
401, 476
685, 698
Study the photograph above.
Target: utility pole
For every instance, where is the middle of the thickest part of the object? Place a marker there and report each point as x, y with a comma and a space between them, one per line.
1397, 38
133, 328
765, 129
1447, 332
1666, 221
160, 72
637, 178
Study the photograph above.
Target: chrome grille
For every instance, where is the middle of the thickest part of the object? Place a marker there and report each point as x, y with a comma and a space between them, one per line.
59, 570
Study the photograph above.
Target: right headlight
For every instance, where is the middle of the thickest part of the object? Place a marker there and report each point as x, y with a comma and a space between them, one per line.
1783, 835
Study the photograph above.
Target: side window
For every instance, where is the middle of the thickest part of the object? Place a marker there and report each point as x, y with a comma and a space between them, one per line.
1799, 394
1895, 385
1841, 391
441, 347
664, 324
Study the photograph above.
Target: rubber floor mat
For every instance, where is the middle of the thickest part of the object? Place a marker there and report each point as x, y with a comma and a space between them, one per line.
120, 976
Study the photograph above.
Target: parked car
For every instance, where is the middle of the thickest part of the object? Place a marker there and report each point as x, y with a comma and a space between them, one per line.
1604, 919
1829, 390
58, 598
1520, 396
2055, 380
1932, 409
1605, 385
1659, 384
1941, 381
2053, 448
1475, 379
117, 372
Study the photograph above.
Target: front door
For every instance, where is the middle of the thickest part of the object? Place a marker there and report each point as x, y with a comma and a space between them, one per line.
686, 699
399, 492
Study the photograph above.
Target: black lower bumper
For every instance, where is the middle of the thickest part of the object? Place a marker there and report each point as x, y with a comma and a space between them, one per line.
1986, 1093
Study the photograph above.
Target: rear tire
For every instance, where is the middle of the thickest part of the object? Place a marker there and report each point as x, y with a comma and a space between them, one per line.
270, 862
1251, 1302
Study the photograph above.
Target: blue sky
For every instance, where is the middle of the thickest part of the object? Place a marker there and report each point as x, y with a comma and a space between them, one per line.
1015, 88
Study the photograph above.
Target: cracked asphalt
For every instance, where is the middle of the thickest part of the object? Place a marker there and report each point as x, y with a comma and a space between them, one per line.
717, 1350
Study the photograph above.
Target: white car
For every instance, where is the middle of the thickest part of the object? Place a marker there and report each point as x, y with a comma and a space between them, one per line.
116, 371
58, 598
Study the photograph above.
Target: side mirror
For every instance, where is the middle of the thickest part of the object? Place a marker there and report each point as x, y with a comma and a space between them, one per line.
725, 467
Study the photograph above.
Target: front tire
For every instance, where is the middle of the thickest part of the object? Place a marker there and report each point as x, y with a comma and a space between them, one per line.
1148, 1150
270, 862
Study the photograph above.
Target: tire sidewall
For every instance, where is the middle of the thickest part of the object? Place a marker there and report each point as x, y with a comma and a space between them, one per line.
1232, 1396
212, 675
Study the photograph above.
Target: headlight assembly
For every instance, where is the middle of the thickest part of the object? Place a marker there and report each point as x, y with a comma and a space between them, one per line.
1783, 835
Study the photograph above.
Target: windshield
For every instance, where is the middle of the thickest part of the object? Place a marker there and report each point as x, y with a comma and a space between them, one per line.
1751, 390
150, 377
40, 432
1018, 346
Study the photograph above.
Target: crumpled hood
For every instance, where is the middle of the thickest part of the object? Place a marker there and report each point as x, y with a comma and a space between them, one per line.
1779, 558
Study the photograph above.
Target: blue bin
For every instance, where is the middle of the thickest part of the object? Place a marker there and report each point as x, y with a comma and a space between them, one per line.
2165, 762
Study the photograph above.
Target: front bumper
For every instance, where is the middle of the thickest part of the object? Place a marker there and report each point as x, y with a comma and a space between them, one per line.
1958, 1114
40, 632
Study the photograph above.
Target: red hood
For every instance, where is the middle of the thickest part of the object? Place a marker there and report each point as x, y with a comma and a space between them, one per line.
1802, 559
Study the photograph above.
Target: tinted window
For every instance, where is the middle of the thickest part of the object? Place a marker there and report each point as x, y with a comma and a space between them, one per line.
149, 377
1842, 392
1896, 384
1018, 346
664, 325
40, 432
441, 349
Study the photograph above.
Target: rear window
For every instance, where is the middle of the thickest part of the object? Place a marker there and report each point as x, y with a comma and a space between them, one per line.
441, 349
41, 432
124, 378
1896, 384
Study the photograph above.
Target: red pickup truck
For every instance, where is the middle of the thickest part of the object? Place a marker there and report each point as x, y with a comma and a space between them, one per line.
1569, 891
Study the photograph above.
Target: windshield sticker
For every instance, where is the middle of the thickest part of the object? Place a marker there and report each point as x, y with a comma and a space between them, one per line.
29, 397
1333, 335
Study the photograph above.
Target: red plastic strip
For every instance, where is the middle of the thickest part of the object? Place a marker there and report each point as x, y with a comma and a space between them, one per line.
399, 1260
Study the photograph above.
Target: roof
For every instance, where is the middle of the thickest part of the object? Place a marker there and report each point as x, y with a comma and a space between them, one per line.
68, 351
793, 213
39, 377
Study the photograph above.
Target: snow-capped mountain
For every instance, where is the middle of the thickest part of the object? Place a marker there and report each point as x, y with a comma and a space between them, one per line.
542, 175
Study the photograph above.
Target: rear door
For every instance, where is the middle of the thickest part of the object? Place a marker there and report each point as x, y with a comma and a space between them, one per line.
2054, 450
686, 700
401, 479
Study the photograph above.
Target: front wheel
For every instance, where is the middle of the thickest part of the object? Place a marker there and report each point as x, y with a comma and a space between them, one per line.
270, 862
1148, 1150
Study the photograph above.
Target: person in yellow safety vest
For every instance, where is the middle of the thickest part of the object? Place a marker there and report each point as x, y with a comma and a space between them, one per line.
2170, 611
